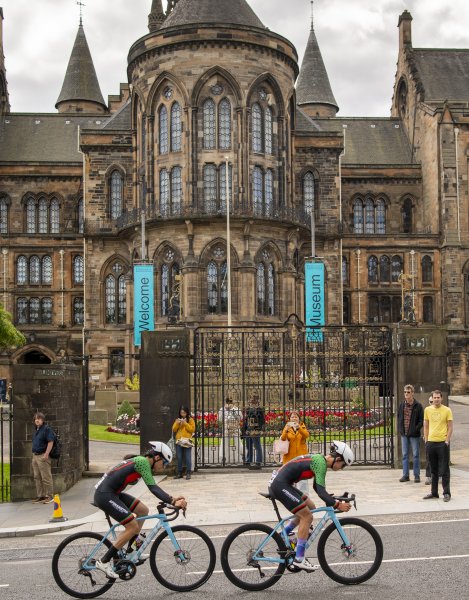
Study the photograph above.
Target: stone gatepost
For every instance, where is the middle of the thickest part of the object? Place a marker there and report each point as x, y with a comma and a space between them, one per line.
56, 391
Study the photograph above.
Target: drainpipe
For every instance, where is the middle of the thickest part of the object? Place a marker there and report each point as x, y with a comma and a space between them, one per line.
5, 284
358, 286
341, 253
61, 252
456, 133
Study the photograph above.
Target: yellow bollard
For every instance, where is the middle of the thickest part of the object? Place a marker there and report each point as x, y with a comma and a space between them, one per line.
58, 515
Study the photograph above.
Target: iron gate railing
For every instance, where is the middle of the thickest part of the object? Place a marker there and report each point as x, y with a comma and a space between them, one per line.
6, 452
339, 378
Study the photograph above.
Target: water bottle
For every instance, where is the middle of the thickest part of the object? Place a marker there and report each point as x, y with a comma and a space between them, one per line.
138, 541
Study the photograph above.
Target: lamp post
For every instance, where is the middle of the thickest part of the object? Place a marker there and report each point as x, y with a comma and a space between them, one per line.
228, 241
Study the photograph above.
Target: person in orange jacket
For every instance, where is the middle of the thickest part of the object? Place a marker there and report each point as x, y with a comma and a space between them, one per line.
184, 427
296, 433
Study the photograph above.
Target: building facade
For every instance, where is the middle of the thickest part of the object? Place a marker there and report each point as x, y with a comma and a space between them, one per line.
218, 112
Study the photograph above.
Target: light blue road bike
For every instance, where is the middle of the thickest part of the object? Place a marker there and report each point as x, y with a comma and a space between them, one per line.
255, 556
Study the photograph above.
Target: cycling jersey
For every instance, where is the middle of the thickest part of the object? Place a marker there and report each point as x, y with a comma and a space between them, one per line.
301, 467
109, 494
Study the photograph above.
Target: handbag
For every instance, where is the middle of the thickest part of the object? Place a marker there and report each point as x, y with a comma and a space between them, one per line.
172, 444
281, 446
185, 442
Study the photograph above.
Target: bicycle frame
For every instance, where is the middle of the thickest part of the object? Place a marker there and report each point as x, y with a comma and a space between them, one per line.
330, 515
149, 537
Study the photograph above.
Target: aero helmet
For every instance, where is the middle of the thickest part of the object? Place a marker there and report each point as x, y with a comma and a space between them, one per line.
343, 450
161, 449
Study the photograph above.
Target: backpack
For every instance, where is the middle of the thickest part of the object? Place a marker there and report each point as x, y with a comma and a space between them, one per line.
57, 446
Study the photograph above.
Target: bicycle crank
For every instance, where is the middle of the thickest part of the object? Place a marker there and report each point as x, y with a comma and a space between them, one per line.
125, 569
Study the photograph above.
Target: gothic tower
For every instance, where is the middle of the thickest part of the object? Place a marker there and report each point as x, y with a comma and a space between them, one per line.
156, 16
4, 103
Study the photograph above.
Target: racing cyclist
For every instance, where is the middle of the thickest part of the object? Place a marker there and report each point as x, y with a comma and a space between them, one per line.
124, 508
306, 467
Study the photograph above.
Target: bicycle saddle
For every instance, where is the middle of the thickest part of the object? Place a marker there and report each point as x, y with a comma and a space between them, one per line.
266, 495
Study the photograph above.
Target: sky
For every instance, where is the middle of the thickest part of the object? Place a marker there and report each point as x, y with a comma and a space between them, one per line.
358, 41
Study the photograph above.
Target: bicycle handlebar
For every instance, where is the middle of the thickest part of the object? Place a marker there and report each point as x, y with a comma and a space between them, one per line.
346, 498
174, 510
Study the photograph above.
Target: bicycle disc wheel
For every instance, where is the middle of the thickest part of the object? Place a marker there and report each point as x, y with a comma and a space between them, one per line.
237, 552
366, 556
67, 566
188, 568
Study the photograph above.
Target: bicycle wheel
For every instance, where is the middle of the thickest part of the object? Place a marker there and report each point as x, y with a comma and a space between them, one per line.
67, 566
237, 552
189, 567
366, 556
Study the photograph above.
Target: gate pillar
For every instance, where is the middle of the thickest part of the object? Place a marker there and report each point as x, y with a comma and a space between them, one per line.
164, 382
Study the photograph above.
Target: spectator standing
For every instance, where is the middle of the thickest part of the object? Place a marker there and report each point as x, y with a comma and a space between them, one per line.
296, 433
230, 417
428, 471
437, 431
410, 422
183, 428
253, 424
43, 440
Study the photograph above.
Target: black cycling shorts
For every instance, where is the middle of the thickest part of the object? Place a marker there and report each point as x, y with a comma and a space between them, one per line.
118, 506
291, 498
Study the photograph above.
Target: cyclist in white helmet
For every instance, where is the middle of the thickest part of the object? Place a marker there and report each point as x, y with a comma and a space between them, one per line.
124, 508
306, 467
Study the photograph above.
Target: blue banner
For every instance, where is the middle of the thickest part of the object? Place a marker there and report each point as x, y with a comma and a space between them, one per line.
315, 311
144, 314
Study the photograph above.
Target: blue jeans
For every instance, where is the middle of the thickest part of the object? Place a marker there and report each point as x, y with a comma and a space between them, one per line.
253, 443
184, 455
414, 444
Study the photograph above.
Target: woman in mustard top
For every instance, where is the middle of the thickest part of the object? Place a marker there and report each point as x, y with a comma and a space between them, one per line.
184, 427
297, 434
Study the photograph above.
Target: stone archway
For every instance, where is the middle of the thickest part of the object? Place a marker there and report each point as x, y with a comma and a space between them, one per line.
35, 357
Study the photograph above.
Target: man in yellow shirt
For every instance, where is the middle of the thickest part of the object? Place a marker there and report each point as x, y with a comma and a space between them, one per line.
437, 432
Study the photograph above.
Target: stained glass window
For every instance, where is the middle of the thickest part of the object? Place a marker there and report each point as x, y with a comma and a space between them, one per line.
163, 130
224, 127
256, 128
176, 127
209, 124
117, 185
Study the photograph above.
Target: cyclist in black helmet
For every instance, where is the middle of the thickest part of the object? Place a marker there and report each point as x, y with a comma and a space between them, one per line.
110, 497
306, 467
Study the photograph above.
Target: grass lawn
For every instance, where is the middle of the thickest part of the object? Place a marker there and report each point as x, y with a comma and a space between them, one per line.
5, 492
99, 433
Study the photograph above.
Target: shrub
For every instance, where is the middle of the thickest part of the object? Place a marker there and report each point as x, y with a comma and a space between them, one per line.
126, 409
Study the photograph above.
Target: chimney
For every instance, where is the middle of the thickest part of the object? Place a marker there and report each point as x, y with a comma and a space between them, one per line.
405, 29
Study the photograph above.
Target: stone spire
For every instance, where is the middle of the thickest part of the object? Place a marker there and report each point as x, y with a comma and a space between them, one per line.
313, 90
4, 101
80, 90
156, 16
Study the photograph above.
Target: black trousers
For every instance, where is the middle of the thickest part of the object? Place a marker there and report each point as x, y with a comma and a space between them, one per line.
438, 454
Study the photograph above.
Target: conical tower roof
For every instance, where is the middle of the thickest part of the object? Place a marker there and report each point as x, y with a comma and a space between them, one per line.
156, 16
80, 84
232, 12
313, 89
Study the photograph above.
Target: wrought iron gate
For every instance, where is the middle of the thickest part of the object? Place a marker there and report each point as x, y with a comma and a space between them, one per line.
6, 429
338, 378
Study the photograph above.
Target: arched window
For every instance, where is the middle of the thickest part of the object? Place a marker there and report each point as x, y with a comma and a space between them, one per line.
115, 295
358, 216
116, 200
224, 124
21, 270
46, 268
176, 190
427, 309
256, 128
210, 188
176, 127
223, 185
168, 278
271, 290
407, 216
384, 269
54, 216
31, 216
266, 285
372, 269
268, 133
34, 270
78, 311
80, 216
163, 130
3, 216
396, 268
261, 291
257, 189
209, 124
164, 192
369, 216
269, 193
380, 217
308, 192
345, 271
217, 288
43, 216
427, 269
78, 269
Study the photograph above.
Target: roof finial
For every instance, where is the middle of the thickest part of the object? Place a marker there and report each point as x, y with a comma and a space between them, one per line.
312, 14
80, 4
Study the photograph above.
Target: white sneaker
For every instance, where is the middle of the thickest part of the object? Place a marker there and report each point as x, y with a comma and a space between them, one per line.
107, 569
305, 565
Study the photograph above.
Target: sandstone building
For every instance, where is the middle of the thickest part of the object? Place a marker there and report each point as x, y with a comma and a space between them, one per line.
217, 108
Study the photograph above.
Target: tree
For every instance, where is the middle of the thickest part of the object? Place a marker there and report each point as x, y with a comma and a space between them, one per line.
9, 335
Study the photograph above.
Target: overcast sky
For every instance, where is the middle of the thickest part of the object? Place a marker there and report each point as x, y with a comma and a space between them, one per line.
358, 41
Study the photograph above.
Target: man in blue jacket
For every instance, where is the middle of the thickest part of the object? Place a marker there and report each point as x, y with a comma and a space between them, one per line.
43, 440
410, 423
